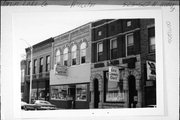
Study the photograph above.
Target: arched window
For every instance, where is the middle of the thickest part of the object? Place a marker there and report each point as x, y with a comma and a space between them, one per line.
57, 57
83, 52
74, 54
65, 56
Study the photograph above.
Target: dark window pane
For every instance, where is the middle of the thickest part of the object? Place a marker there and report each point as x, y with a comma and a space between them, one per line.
130, 50
74, 61
83, 59
114, 53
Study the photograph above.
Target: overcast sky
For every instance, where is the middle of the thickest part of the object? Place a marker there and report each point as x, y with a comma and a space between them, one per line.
31, 28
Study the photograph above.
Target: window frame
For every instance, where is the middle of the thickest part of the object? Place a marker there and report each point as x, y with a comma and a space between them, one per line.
81, 49
113, 39
65, 61
48, 61
41, 65
35, 66
97, 52
74, 55
126, 39
149, 40
56, 56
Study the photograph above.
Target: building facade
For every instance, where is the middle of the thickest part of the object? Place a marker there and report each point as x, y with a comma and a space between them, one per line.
23, 68
40, 64
121, 51
70, 74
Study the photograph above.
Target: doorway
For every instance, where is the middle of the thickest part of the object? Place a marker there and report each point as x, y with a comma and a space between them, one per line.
132, 92
71, 95
96, 93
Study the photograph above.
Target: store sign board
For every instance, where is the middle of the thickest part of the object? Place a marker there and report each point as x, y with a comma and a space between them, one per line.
113, 73
151, 70
61, 70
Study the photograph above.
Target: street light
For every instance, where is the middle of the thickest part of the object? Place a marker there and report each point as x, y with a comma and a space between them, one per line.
30, 82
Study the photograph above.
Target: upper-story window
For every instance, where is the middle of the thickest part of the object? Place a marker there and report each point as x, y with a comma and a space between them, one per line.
41, 65
129, 44
83, 52
57, 57
151, 37
74, 54
35, 66
128, 23
113, 47
47, 63
65, 56
99, 33
99, 51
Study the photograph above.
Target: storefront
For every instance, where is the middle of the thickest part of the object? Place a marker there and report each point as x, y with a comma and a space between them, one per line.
116, 86
69, 89
150, 88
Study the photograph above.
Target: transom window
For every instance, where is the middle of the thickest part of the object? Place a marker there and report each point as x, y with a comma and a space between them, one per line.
65, 56
83, 52
74, 54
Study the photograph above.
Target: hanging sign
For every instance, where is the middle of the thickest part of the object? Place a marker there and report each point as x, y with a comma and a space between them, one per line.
151, 70
113, 73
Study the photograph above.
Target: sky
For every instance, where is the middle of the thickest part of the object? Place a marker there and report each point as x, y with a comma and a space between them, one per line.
33, 28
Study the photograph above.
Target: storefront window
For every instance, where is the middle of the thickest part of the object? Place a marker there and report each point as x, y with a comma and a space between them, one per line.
59, 92
113, 90
41, 94
81, 92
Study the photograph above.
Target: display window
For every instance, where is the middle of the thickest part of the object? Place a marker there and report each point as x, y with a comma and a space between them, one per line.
41, 94
59, 92
81, 92
113, 90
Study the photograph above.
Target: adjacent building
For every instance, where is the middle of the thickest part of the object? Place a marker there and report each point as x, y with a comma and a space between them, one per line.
123, 50
71, 69
40, 64
23, 68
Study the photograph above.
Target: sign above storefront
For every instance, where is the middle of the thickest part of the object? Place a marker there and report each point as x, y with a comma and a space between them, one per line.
113, 73
60, 70
151, 70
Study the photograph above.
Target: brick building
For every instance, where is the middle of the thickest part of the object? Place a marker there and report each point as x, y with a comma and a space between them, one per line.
123, 53
70, 74
41, 64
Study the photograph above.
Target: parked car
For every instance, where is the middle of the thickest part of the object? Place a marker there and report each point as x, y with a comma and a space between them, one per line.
26, 106
44, 105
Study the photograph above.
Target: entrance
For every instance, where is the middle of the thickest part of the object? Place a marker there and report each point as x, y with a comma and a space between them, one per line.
71, 95
96, 93
132, 92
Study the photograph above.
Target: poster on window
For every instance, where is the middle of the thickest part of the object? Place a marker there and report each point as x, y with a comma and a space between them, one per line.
151, 70
113, 73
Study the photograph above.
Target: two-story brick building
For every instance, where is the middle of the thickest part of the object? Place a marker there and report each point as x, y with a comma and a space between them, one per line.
71, 67
121, 51
41, 64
